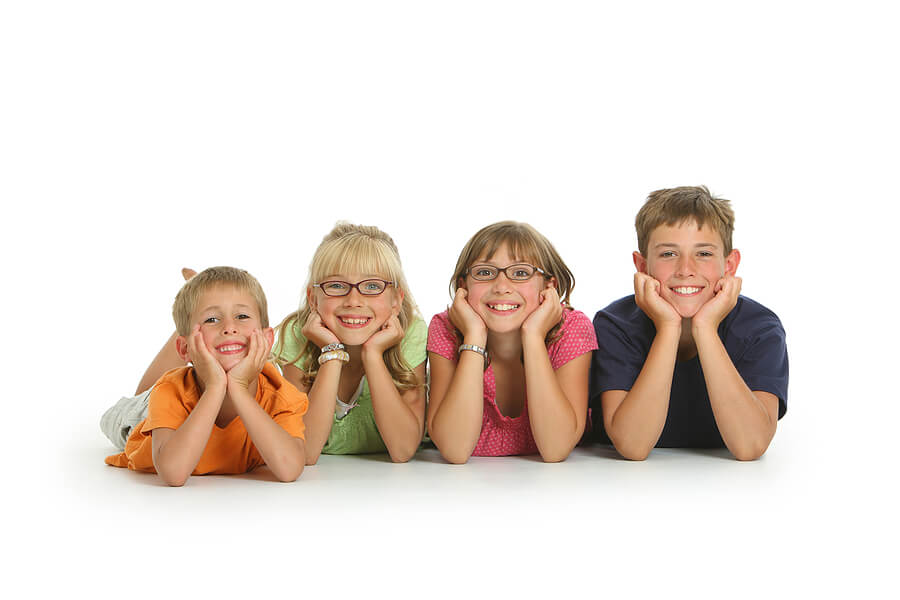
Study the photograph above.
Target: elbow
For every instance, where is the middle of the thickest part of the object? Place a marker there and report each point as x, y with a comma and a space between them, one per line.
290, 474
455, 456
555, 456
173, 479
631, 450
750, 452
402, 456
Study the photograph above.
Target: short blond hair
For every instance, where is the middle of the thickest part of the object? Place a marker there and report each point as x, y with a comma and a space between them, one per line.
677, 205
187, 298
350, 248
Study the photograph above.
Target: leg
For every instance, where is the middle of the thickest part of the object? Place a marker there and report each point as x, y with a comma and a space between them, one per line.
167, 358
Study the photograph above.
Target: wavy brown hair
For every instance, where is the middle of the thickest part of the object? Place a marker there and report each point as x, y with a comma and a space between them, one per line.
524, 243
352, 248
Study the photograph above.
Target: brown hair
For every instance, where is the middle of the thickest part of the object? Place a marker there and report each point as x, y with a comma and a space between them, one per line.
524, 242
351, 248
677, 205
190, 292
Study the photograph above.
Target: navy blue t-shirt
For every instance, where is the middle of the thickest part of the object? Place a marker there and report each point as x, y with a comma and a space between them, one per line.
752, 336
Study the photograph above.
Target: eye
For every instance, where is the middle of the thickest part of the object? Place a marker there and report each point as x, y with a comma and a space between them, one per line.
337, 286
372, 286
483, 272
667, 254
704, 254
210, 320
243, 316
522, 273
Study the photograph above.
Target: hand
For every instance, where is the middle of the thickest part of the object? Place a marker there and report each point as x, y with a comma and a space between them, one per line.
545, 317
725, 295
464, 318
648, 299
206, 367
390, 334
316, 332
245, 373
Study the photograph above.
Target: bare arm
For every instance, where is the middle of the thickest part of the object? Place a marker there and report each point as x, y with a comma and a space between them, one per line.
320, 416
456, 401
746, 419
634, 419
176, 452
557, 407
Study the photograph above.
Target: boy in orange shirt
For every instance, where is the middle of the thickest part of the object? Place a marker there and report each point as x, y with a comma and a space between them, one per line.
232, 410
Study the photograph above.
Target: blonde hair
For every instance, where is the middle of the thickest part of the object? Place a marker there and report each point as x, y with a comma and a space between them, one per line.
677, 205
189, 294
524, 243
352, 248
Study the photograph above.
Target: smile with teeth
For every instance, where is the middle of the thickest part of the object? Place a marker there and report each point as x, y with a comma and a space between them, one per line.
230, 348
686, 290
503, 307
354, 321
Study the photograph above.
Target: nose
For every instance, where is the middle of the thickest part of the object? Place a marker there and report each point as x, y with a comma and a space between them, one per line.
686, 266
354, 298
229, 326
502, 284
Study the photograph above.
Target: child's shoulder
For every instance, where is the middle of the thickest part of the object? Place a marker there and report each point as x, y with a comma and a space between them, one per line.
748, 318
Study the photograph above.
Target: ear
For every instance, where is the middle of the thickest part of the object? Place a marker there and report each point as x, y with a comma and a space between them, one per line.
181, 347
640, 263
461, 283
732, 261
550, 283
269, 335
311, 297
397, 302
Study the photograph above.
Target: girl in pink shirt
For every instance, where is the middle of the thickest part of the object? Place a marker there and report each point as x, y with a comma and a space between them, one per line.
509, 358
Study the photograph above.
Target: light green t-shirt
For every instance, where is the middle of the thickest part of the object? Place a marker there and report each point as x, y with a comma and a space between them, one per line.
357, 433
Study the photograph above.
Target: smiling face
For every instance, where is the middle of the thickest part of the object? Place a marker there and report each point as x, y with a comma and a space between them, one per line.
227, 316
354, 318
502, 304
688, 262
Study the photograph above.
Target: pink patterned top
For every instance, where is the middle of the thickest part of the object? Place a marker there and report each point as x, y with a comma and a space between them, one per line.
502, 435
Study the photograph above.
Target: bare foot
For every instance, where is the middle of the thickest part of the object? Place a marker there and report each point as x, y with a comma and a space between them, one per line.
187, 273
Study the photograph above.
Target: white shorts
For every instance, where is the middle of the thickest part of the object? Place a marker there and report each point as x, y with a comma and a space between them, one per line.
117, 422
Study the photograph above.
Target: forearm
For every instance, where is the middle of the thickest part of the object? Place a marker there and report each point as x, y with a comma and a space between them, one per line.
455, 425
399, 425
746, 426
319, 418
635, 426
282, 452
177, 458
555, 425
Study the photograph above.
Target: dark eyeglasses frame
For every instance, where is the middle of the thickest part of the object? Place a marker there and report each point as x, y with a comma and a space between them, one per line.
505, 270
350, 287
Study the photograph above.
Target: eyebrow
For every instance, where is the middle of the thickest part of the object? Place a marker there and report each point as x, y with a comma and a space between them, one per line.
219, 308
671, 245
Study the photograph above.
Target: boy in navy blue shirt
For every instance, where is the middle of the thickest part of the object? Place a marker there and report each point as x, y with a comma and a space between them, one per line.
687, 361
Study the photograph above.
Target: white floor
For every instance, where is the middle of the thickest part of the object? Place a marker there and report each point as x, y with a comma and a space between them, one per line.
136, 139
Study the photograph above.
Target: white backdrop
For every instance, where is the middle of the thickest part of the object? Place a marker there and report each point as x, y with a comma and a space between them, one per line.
137, 138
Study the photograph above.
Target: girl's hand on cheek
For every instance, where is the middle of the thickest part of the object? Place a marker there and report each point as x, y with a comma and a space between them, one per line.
545, 317
390, 334
464, 318
316, 332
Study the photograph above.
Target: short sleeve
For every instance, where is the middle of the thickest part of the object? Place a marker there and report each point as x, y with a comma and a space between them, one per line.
577, 338
442, 337
413, 345
289, 409
619, 357
165, 409
764, 363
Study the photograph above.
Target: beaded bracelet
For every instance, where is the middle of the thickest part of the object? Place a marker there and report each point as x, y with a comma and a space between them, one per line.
340, 355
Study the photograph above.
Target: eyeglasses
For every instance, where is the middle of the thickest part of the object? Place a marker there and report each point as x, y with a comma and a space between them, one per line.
366, 287
519, 272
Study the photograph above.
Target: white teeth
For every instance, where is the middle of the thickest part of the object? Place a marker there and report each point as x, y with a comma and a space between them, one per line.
504, 306
230, 348
686, 290
353, 321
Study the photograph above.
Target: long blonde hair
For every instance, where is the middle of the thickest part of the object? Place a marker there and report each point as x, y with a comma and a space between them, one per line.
352, 248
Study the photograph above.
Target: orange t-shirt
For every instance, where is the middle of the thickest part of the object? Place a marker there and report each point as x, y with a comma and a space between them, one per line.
228, 450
